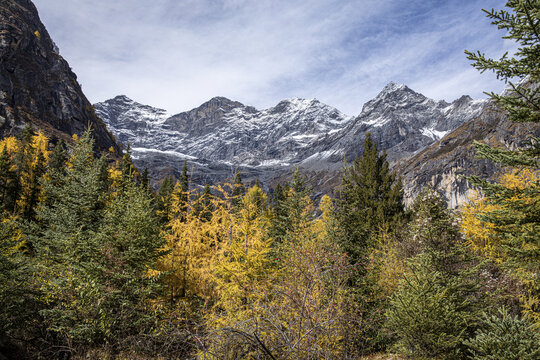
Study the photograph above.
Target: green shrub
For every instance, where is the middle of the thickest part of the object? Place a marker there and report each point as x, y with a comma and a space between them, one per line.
505, 337
429, 313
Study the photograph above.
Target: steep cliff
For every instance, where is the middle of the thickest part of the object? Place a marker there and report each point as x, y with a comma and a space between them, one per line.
37, 86
444, 164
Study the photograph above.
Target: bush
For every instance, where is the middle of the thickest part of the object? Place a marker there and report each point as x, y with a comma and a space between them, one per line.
505, 337
436, 305
429, 313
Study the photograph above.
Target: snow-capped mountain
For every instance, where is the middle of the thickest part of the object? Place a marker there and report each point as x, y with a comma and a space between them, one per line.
400, 120
222, 136
222, 130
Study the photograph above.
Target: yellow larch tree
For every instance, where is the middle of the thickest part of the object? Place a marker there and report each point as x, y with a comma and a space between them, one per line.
310, 296
483, 222
192, 244
242, 278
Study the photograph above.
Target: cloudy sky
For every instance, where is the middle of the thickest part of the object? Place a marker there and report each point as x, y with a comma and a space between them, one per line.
177, 54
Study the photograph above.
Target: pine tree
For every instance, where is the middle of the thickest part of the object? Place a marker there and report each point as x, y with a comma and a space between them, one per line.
370, 198
438, 302
122, 283
504, 336
58, 158
17, 304
9, 182
239, 190
75, 207
207, 204
293, 209
127, 167
183, 194
65, 244
145, 180
163, 201
517, 219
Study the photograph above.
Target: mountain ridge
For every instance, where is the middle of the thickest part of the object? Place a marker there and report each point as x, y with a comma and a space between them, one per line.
228, 136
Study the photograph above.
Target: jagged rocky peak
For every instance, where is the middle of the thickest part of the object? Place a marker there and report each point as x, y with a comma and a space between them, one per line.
123, 110
393, 91
293, 104
37, 86
393, 87
219, 103
463, 100
121, 99
310, 111
394, 95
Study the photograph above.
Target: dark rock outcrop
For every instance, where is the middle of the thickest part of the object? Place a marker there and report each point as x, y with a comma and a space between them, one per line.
37, 86
444, 164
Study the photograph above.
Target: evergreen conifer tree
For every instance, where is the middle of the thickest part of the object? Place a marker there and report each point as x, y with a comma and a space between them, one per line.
145, 181
58, 158
438, 303
517, 218
127, 167
239, 190
164, 199
369, 198
184, 191
207, 204
65, 244
9, 182
120, 281
74, 209
293, 208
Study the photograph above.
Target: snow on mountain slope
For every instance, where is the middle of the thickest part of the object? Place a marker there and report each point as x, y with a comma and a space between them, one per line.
223, 130
400, 120
222, 136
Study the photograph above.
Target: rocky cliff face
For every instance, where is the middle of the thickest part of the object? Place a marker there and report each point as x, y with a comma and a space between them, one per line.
37, 86
443, 164
223, 136
400, 120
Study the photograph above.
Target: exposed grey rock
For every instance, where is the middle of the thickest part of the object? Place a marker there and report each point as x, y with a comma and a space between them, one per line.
37, 86
223, 136
444, 164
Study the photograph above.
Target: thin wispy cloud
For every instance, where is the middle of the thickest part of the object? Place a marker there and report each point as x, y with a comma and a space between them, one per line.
178, 54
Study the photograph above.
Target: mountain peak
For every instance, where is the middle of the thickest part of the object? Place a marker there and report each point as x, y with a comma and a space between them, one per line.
293, 104
122, 98
393, 94
298, 100
221, 99
392, 87
220, 102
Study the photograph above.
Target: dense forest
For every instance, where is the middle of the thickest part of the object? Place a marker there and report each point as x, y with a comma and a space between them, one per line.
95, 264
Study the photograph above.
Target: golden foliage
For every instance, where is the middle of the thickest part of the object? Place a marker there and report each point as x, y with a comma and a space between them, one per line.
481, 234
390, 263
292, 302
192, 245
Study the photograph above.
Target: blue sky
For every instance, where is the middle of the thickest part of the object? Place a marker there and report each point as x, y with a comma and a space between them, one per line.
177, 54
